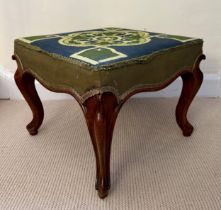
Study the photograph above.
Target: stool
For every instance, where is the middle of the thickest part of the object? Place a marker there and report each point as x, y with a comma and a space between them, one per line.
101, 69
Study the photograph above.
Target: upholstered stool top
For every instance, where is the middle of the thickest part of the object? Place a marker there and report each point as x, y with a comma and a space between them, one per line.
108, 59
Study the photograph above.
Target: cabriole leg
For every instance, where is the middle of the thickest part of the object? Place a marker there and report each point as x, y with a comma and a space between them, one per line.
101, 112
191, 84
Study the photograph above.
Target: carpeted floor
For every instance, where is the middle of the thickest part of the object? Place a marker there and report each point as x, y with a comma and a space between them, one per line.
152, 165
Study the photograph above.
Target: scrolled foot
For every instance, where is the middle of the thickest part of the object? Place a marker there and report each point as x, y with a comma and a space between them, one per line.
103, 187
102, 193
32, 129
187, 130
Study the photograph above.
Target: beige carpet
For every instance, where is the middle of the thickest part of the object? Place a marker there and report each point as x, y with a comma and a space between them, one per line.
153, 166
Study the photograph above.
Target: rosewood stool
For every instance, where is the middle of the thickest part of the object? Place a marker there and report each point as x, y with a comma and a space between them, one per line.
101, 69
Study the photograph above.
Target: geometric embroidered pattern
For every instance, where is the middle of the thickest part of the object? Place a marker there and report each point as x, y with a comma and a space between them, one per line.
106, 45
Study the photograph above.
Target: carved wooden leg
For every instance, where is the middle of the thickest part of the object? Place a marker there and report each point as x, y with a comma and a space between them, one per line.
101, 112
191, 85
25, 83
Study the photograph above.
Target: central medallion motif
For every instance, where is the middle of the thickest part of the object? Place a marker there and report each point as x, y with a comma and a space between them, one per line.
109, 37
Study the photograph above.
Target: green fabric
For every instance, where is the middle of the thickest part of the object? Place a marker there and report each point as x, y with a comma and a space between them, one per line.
58, 72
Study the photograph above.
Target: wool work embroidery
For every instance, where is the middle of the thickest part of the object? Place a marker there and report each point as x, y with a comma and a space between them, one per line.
107, 45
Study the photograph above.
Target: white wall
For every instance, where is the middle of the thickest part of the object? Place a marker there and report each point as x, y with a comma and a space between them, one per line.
198, 18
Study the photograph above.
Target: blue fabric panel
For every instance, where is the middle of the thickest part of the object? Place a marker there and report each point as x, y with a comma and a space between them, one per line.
129, 51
